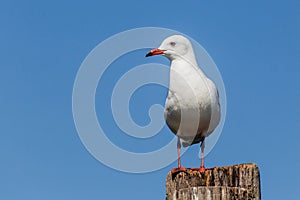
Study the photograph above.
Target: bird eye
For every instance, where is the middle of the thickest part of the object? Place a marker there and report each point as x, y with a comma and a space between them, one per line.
173, 43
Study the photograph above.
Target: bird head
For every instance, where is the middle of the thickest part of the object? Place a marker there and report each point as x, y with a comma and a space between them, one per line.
174, 47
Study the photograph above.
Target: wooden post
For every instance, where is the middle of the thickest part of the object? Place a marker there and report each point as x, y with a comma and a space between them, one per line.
240, 182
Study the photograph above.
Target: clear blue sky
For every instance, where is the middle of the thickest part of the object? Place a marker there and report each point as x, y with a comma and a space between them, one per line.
255, 44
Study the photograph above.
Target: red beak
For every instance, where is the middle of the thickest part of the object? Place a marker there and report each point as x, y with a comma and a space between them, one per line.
155, 52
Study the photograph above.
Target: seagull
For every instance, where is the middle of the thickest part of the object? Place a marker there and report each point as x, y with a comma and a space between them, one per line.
192, 108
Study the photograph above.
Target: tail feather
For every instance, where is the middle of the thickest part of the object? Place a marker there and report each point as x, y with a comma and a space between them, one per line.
189, 143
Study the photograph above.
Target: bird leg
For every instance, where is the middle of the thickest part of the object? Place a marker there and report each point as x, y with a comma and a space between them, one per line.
179, 168
178, 152
202, 168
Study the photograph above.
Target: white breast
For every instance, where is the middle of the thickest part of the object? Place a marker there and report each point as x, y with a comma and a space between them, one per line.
192, 107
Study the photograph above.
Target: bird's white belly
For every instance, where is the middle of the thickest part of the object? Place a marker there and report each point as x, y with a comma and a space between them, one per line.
192, 113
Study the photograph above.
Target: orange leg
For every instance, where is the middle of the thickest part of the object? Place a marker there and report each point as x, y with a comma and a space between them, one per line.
179, 168
178, 152
202, 168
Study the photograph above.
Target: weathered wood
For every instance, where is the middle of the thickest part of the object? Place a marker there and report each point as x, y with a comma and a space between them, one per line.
219, 183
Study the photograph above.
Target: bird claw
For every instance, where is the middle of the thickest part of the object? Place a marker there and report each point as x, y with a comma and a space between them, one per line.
201, 169
178, 169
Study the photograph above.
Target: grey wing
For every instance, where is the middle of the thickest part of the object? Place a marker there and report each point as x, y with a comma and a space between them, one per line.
215, 107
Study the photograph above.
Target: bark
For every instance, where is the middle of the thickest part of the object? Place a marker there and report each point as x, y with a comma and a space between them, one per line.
220, 183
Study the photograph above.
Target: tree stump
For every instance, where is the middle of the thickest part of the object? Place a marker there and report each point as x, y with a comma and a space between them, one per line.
220, 183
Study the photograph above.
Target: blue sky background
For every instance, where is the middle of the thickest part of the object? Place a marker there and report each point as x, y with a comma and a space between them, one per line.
255, 44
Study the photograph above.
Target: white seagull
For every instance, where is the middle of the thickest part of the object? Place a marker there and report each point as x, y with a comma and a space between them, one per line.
192, 109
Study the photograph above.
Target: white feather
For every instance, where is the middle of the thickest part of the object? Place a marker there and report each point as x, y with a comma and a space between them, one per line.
192, 108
